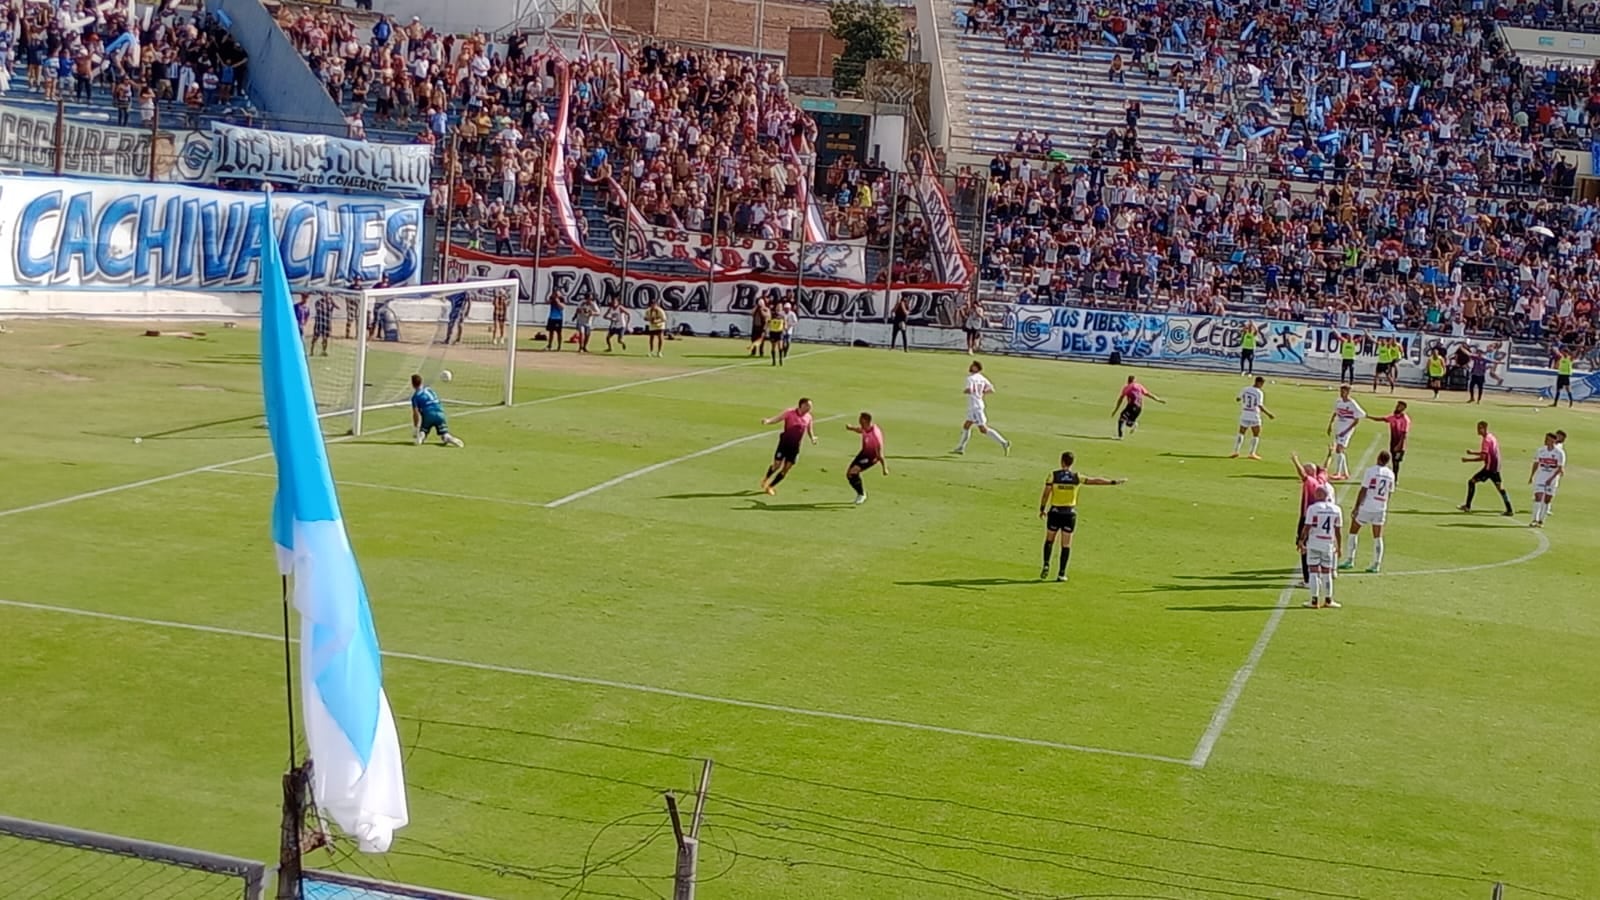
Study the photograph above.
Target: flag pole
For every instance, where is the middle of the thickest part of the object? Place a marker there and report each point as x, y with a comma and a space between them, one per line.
270, 233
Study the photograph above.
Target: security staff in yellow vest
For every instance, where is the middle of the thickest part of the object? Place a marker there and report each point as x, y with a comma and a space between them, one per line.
1563, 377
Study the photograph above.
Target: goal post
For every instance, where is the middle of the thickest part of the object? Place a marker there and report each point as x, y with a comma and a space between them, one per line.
461, 337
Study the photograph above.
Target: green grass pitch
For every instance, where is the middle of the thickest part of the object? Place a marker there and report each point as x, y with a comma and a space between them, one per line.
897, 707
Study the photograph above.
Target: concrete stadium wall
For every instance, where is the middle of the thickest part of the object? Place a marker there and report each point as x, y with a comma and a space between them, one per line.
181, 306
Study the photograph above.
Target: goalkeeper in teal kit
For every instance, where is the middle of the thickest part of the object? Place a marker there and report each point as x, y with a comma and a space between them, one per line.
427, 414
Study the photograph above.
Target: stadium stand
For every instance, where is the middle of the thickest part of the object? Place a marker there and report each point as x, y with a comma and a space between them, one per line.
182, 65
1343, 162
1349, 162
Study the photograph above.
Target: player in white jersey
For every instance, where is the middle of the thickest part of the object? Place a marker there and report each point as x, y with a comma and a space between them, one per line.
1548, 466
1561, 444
1322, 540
1372, 508
1252, 406
1347, 414
977, 390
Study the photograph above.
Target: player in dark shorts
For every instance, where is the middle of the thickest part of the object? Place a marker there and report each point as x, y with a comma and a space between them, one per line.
497, 333
460, 308
1477, 374
870, 454
1488, 456
1563, 377
322, 323
352, 307
1058, 506
553, 324
1133, 394
796, 426
1399, 431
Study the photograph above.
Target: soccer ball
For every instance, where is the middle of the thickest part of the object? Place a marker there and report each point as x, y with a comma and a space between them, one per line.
445, 375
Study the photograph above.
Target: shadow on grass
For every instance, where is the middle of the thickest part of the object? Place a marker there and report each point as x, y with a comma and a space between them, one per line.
821, 506
256, 417
229, 359
708, 495
1225, 608
1187, 588
1196, 456
1264, 476
1428, 512
944, 457
1088, 437
1282, 572
971, 584
1502, 524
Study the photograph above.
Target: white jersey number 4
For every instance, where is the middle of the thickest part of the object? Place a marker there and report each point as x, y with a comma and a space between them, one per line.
1325, 520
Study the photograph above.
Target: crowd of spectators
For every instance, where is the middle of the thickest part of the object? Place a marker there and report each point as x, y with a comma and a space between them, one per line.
695, 140
87, 52
1391, 161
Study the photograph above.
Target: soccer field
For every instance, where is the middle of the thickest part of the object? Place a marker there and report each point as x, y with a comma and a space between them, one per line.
592, 596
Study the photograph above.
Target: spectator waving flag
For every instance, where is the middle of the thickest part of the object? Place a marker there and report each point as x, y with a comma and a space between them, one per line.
356, 774
622, 57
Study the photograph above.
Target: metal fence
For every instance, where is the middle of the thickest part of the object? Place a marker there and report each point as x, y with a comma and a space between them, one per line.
52, 862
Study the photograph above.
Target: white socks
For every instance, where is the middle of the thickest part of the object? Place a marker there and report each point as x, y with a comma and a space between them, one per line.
1255, 444
1238, 441
1539, 510
966, 433
997, 438
1377, 551
1355, 539
1339, 465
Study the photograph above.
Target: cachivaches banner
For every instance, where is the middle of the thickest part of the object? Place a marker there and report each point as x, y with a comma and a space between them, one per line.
109, 235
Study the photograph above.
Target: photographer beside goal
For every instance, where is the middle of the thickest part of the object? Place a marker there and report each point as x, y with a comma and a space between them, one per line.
427, 414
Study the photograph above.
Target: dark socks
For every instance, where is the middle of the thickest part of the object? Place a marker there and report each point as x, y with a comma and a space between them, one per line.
1472, 488
855, 482
776, 478
1305, 570
1049, 546
1066, 554
1507, 499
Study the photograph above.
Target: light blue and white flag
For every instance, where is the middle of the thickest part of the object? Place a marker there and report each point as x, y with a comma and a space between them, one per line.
356, 772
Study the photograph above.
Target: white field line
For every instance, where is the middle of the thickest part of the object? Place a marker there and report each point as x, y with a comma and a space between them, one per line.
623, 686
656, 467
1230, 699
477, 498
1535, 553
146, 482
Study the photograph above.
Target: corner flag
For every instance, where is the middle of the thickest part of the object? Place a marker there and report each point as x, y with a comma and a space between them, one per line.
356, 774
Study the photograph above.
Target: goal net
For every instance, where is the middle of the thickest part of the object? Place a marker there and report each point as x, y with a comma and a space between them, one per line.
364, 346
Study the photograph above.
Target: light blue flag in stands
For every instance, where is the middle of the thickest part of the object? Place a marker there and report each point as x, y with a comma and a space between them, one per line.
355, 752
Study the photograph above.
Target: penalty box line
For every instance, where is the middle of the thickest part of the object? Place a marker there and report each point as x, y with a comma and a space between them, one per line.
633, 687
656, 467
243, 460
1230, 699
